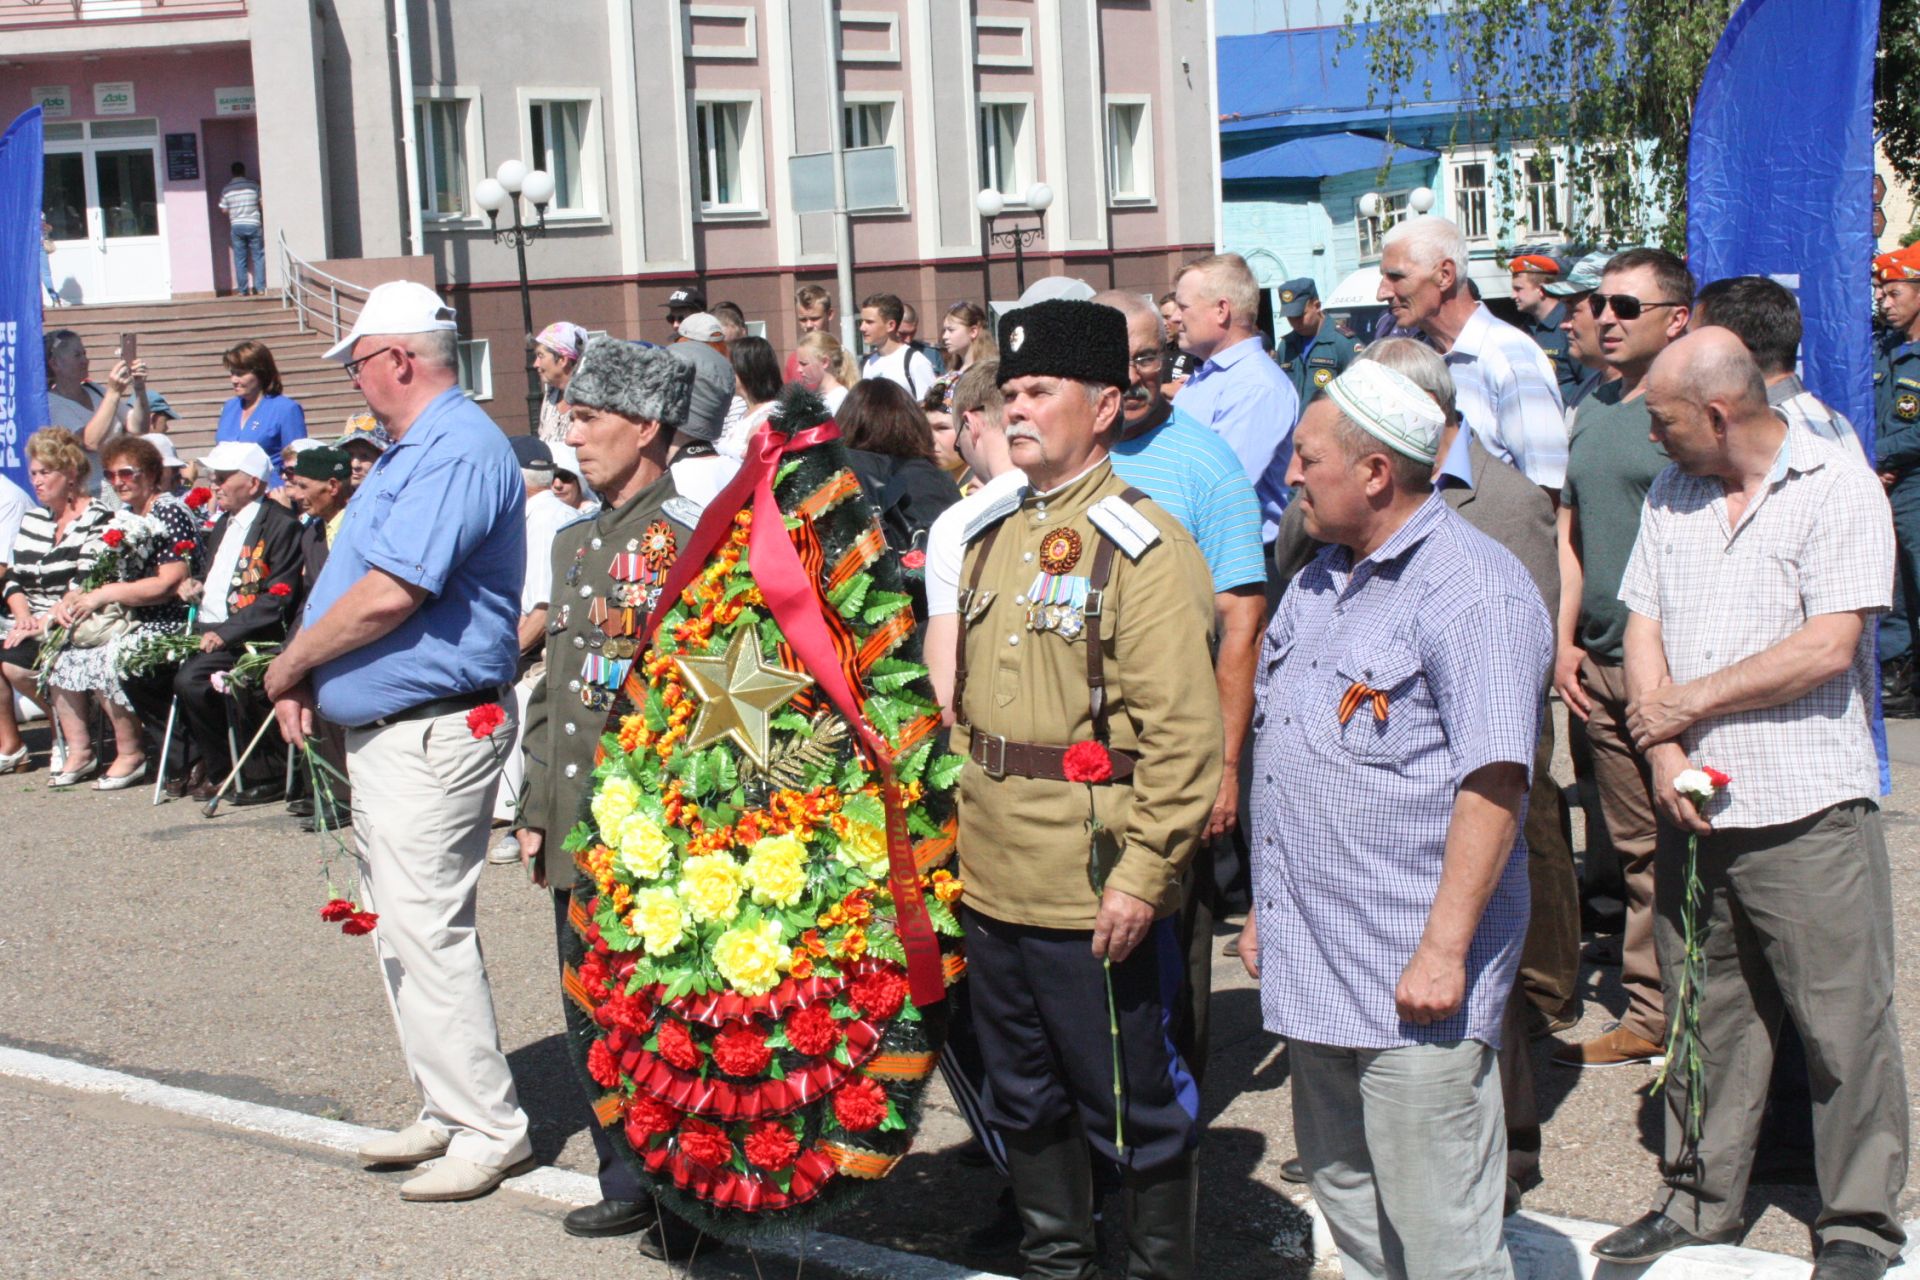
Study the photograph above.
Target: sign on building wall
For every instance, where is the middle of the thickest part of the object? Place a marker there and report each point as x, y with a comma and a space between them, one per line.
114, 99
183, 157
237, 101
53, 99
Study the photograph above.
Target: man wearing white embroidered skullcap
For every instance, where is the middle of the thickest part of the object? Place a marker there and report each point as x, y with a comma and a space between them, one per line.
1398, 700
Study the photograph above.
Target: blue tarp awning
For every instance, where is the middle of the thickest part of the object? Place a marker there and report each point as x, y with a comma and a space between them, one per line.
1321, 157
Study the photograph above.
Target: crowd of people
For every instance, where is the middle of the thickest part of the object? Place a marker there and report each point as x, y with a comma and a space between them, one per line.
1331, 587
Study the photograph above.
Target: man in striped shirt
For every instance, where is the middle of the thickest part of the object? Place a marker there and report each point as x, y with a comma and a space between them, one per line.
240, 201
1507, 389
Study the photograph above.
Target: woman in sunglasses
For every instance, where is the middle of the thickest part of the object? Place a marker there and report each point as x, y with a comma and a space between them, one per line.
157, 536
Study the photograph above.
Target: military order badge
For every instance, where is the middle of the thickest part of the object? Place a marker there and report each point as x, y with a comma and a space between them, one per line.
1907, 407
765, 927
1060, 551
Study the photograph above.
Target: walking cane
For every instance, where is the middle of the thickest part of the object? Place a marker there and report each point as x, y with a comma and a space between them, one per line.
173, 713
213, 805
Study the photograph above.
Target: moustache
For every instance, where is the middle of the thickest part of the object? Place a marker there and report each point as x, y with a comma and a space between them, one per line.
1018, 431
1137, 397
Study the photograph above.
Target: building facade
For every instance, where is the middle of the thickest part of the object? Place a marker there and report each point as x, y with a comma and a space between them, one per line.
668, 125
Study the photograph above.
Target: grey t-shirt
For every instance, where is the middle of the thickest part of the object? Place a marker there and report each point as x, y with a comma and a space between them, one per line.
1611, 463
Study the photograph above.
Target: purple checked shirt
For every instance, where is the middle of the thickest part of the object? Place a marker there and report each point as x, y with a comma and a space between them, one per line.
1350, 821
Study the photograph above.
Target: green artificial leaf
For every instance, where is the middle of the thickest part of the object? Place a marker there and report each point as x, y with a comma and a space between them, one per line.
841, 1056
787, 468
850, 596
578, 840
945, 771
914, 763
723, 815
861, 807
770, 636
726, 774
853, 775
944, 921
652, 1043
909, 1012
655, 712
793, 722
885, 714
777, 1038
892, 673
783, 1179
919, 824
886, 945
893, 1122
615, 934
774, 1070
881, 605
841, 1009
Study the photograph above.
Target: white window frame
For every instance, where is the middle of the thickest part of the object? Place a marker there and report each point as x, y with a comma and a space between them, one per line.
868, 18
476, 152
1379, 222
753, 177
1523, 188
1143, 156
592, 176
1026, 151
1022, 60
476, 361
896, 138
1487, 191
748, 50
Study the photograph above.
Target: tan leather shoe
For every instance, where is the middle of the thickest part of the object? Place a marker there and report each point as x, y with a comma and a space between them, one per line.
451, 1178
415, 1144
1616, 1047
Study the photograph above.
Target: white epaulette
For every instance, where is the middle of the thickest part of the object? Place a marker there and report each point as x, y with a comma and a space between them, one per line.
991, 514
683, 509
1130, 531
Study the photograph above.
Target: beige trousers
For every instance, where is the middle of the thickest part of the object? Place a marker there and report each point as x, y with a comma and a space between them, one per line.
422, 793
1625, 783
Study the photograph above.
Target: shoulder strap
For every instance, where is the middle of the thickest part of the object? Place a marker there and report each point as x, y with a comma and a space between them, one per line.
960, 636
1097, 579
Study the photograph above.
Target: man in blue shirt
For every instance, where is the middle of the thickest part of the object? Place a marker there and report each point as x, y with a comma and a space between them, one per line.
1238, 392
408, 639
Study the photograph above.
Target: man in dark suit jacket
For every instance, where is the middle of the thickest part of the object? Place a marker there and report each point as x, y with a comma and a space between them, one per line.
322, 482
250, 569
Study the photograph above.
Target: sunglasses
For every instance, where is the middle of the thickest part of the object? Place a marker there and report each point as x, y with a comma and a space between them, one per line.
353, 367
1625, 305
122, 473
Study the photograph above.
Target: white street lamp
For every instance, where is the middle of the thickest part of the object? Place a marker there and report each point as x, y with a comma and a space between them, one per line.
1420, 199
990, 203
511, 174
1369, 204
1039, 196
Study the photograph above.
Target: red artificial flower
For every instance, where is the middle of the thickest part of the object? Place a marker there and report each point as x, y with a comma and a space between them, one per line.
1088, 762
813, 1030
484, 719
593, 976
878, 993
183, 546
677, 1046
358, 923
199, 497
914, 559
648, 1117
280, 589
1717, 778
336, 910
859, 1105
601, 1065
114, 537
705, 1144
626, 1012
739, 1050
771, 1146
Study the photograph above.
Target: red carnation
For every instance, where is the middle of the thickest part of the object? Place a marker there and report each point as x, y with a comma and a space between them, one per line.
771, 1146
677, 1046
1717, 778
648, 1117
199, 497
878, 993
705, 1144
859, 1104
280, 589
813, 1030
113, 537
739, 1050
1088, 762
628, 1013
183, 546
593, 976
336, 910
484, 719
914, 559
601, 1066
358, 923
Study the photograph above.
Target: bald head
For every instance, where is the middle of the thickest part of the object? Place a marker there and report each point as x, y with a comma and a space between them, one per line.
1707, 406
1708, 366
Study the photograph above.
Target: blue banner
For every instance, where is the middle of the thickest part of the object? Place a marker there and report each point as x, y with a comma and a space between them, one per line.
23, 374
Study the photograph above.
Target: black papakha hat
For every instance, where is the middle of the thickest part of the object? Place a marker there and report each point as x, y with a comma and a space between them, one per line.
323, 464
1060, 339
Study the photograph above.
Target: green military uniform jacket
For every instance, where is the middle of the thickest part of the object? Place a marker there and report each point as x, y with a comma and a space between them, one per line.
1023, 843
1311, 363
607, 571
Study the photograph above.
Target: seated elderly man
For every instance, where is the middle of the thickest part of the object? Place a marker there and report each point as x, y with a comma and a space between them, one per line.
250, 585
321, 481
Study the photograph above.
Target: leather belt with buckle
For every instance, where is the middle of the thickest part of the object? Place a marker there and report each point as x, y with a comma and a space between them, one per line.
439, 707
1000, 756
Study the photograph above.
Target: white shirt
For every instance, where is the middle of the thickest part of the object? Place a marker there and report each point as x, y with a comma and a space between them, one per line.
546, 516
700, 480
906, 367
833, 398
1507, 392
947, 539
226, 557
14, 505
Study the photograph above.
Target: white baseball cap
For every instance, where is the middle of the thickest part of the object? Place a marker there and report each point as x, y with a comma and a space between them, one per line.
702, 326
169, 456
396, 307
564, 458
236, 455
304, 443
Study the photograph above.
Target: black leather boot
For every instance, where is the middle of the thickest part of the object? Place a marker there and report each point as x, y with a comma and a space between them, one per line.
1053, 1192
1161, 1205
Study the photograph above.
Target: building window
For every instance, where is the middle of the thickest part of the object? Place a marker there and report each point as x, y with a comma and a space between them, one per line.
1373, 230
869, 124
1129, 151
1542, 196
1006, 163
559, 132
729, 157
1470, 198
476, 368
870, 120
440, 129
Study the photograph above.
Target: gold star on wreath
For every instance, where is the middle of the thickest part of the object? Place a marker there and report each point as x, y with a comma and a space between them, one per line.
739, 692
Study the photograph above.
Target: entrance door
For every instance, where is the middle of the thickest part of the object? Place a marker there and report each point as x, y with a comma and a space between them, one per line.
102, 195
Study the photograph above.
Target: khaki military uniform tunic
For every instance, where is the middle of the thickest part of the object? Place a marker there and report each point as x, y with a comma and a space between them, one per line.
1023, 843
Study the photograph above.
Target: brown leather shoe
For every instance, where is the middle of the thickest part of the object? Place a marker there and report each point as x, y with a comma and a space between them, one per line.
181, 785
1616, 1047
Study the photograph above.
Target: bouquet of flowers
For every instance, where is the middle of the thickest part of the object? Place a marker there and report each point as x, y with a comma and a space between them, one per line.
764, 926
120, 551
154, 652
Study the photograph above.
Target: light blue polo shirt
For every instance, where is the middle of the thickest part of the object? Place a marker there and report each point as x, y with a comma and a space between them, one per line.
444, 509
1192, 473
1246, 400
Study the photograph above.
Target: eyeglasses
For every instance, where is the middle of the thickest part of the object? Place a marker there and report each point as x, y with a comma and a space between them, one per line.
1148, 360
353, 367
121, 473
1625, 305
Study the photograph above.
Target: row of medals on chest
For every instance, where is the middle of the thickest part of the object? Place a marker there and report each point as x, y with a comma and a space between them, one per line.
637, 575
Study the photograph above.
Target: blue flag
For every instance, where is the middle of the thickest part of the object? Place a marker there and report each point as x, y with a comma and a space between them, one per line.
23, 374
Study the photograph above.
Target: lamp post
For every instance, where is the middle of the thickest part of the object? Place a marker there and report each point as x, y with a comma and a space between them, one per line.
512, 181
991, 205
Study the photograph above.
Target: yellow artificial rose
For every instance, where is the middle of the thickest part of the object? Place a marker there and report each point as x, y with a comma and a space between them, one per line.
710, 887
644, 847
618, 797
749, 957
777, 871
659, 920
864, 846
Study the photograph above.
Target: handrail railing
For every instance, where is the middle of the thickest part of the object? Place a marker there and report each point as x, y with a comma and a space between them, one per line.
325, 303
